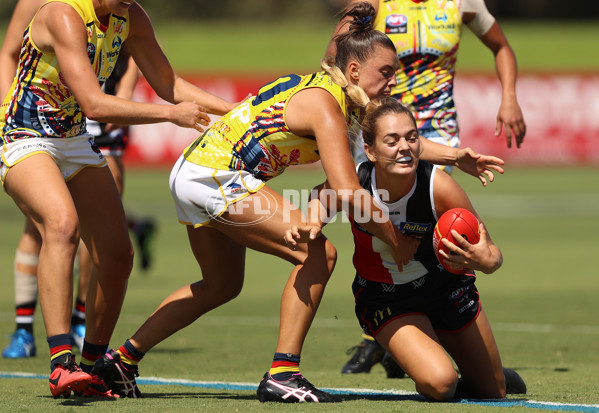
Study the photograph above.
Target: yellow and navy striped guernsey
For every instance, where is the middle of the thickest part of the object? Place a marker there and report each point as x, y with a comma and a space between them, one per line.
254, 137
39, 103
426, 35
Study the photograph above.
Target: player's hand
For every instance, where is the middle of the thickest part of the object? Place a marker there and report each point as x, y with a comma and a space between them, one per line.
301, 234
478, 257
479, 166
511, 120
190, 115
235, 104
405, 250
112, 127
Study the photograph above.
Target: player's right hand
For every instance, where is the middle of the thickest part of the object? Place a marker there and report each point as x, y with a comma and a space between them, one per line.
405, 250
190, 115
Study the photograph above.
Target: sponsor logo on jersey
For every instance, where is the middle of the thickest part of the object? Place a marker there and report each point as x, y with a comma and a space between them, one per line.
441, 17
443, 28
91, 52
396, 23
415, 227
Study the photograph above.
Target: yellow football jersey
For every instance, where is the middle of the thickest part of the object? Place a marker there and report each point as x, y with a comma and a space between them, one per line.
426, 35
254, 137
39, 103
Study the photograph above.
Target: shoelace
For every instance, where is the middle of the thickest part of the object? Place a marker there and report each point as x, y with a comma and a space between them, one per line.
72, 366
353, 349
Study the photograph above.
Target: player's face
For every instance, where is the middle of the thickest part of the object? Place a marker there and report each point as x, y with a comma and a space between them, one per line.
396, 148
377, 74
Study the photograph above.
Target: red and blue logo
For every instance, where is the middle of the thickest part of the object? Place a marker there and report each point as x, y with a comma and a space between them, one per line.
396, 23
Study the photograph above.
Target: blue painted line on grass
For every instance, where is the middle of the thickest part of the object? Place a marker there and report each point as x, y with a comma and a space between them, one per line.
358, 393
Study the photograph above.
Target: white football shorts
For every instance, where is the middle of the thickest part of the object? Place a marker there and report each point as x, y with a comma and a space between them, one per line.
202, 194
70, 154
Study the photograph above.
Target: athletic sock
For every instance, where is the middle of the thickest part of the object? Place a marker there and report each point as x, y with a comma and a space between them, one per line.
90, 353
129, 354
24, 318
284, 366
78, 316
60, 347
25, 274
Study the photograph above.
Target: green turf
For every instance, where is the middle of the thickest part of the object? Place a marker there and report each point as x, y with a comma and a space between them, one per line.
542, 304
216, 46
287, 46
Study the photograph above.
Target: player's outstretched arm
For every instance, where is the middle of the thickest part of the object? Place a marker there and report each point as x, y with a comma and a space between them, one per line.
509, 116
314, 112
477, 165
158, 71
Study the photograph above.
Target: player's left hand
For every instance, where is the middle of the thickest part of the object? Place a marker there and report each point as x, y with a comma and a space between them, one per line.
511, 120
478, 165
478, 257
301, 234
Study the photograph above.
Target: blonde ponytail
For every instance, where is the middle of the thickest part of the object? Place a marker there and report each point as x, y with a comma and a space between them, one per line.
355, 93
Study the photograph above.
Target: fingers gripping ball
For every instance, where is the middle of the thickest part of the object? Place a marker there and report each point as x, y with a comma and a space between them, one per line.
465, 224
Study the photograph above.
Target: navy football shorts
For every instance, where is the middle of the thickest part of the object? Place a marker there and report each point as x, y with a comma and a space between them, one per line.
450, 301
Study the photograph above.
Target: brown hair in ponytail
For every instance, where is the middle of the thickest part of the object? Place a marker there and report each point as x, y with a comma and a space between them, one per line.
358, 43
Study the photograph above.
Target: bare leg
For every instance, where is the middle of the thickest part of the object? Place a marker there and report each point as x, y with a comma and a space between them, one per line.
413, 343
55, 217
115, 164
222, 263
104, 231
475, 352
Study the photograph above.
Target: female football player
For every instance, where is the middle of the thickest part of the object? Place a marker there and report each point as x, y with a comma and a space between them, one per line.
422, 314
427, 35
55, 173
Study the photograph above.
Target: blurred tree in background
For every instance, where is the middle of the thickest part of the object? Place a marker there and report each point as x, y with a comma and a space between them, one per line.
310, 10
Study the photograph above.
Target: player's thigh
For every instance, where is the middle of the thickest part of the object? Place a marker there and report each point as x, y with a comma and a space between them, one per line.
260, 220
412, 341
38, 188
475, 352
117, 169
101, 215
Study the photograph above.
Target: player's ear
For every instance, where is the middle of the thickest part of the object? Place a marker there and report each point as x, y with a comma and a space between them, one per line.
369, 152
354, 72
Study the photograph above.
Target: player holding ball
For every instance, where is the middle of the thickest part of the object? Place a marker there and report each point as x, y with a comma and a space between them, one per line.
423, 315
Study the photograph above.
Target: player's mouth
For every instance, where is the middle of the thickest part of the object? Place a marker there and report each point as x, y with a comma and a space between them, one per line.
404, 160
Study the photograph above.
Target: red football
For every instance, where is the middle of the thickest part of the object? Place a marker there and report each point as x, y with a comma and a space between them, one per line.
461, 220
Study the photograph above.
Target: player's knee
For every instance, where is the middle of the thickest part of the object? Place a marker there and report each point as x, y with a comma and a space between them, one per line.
438, 386
115, 264
61, 229
218, 292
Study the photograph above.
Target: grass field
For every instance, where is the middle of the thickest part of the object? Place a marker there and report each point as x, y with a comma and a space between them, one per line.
542, 304
298, 47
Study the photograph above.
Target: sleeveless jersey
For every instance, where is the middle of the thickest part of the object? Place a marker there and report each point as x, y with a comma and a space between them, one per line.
414, 214
255, 138
426, 35
39, 103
